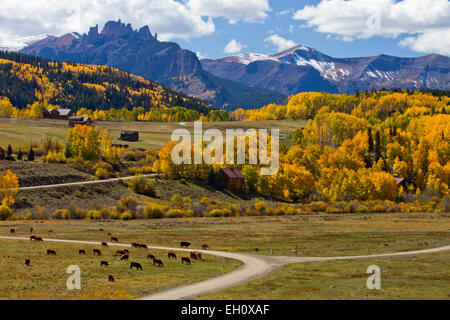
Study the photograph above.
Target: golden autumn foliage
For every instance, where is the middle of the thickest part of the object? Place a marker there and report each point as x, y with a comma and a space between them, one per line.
9, 187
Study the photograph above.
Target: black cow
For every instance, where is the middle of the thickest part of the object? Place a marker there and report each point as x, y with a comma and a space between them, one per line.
184, 244
136, 265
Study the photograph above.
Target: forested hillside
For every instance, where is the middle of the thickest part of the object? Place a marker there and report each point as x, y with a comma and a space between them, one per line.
27, 79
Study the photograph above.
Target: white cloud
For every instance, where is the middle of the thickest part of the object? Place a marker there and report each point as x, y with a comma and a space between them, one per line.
232, 10
169, 18
422, 20
234, 47
280, 42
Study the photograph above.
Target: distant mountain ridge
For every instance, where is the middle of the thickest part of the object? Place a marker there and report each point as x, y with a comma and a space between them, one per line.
303, 68
141, 53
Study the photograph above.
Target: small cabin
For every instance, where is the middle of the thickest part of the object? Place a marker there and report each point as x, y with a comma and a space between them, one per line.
401, 182
82, 121
58, 114
130, 136
2, 154
232, 179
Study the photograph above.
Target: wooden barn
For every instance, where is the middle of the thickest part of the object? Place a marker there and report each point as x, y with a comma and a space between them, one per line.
130, 136
232, 179
86, 121
2, 154
58, 114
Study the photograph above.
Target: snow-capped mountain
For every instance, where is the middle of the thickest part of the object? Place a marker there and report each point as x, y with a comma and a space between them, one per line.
20, 43
302, 68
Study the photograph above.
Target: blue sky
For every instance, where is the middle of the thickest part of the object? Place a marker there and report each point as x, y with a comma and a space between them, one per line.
252, 35
217, 28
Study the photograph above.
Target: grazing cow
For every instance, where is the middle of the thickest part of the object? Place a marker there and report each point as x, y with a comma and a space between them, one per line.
172, 255
120, 253
126, 251
136, 265
80, 252
114, 239
104, 263
184, 244
150, 256
51, 252
104, 244
135, 245
27, 262
204, 246
125, 257
31, 230
195, 256
185, 260
12, 231
39, 239
32, 238
97, 252
111, 278
143, 246
158, 262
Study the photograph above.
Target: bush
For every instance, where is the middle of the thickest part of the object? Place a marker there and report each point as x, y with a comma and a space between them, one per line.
130, 156
5, 212
127, 204
102, 173
362, 209
175, 213
126, 216
378, 208
153, 212
94, 215
61, 214
143, 186
55, 157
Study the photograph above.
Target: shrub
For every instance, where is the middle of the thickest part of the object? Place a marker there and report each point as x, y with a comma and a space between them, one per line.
126, 216
94, 215
153, 211
130, 156
127, 204
378, 208
143, 186
102, 173
55, 157
61, 214
362, 209
5, 212
175, 213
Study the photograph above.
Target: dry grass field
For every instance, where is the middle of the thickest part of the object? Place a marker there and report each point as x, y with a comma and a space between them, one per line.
314, 235
153, 135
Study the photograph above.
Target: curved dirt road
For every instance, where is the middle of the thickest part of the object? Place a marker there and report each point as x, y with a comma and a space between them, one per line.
53, 186
254, 266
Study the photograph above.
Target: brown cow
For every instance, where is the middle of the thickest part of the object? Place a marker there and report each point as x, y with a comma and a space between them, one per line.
51, 252
194, 256
97, 252
135, 245
114, 239
111, 278
12, 231
104, 244
150, 256
120, 253
185, 260
39, 239
80, 252
31, 230
171, 255
32, 238
125, 257
204, 246
126, 251
158, 262
143, 246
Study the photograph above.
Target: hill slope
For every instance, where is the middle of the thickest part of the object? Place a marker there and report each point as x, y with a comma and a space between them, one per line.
26, 79
305, 69
141, 53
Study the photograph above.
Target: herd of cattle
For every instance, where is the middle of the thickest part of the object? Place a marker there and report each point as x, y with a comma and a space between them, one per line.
125, 254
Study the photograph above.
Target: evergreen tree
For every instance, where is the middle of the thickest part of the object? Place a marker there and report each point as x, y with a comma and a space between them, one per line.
31, 155
369, 133
378, 147
9, 152
20, 155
